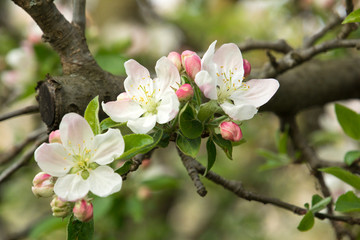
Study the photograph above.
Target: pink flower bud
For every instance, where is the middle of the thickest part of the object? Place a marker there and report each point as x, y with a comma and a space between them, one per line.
175, 58
247, 67
144, 193
185, 92
83, 210
123, 96
191, 63
230, 131
43, 185
60, 208
145, 162
54, 137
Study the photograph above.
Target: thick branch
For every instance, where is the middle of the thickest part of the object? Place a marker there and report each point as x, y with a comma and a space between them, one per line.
79, 18
279, 46
19, 112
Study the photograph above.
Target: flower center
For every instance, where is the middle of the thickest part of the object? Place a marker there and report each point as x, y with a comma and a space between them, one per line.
228, 84
146, 99
82, 162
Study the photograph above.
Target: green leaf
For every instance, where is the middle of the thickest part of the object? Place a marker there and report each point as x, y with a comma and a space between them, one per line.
349, 121
125, 168
111, 62
157, 136
188, 146
189, 125
207, 110
46, 226
351, 157
352, 17
348, 202
77, 230
135, 144
161, 183
92, 115
344, 175
320, 204
307, 222
211, 154
315, 199
224, 144
109, 123
282, 140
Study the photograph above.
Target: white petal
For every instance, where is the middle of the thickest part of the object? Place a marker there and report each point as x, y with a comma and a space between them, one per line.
142, 125
207, 62
260, 91
207, 84
104, 181
136, 71
168, 108
53, 159
75, 132
239, 112
229, 57
167, 75
138, 80
71, 187
109, 146
122, 110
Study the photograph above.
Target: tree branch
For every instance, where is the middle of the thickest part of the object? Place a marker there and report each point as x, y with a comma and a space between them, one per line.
79, 18
19, 112
279, 45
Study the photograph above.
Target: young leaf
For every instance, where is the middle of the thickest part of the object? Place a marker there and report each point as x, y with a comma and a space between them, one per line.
211, 154
189, 125
92, 115
77, 230
352, 17
207, 110
109, 123
320, 205
134, 144
349, 121
307, 222
351, 156
156, 139
348, 202
315, 199
344, 175
188, 146
224, 144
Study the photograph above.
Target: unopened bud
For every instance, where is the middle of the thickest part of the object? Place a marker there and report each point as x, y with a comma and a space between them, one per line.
144, 193
60, 208
145, 162
185, 92
83, 210
175, 58
247, 67
43, 185
54, 137
230, 131
191, 63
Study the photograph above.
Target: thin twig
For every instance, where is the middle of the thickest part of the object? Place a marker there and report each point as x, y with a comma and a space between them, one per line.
14, 151
136, 162
22, 161
193, 173
25, 110
279, 46
79, 17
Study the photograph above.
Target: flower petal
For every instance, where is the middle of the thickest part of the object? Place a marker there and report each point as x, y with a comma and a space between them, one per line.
229, 57
109, 146
71, 187
142, 125
207, 62
239, 112
122, 110
260, 91
104, 181
207, 84
75, 132
138, 81
168, 75
169, 107
53, 159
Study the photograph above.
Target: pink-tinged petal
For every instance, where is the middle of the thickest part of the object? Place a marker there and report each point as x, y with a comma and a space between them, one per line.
53, 159
109, 146
136, 71
207, 62
167, 75
207, 84
71, 187
169, 107
239, 112
142, 125
104, 181
138, 80
228, 57
259, 92
122, 110
75, 132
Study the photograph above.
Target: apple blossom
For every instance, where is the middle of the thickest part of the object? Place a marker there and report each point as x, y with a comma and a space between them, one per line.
149, 101
191, 63
54, 137
83, 210
60, 208
221, 79
175, 58
185, 92
79, 161
43, 185
230, 131
247, 68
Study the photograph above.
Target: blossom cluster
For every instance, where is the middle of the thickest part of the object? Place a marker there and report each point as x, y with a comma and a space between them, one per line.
76, 161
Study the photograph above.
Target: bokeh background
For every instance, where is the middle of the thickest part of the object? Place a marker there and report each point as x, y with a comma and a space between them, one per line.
159, 201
